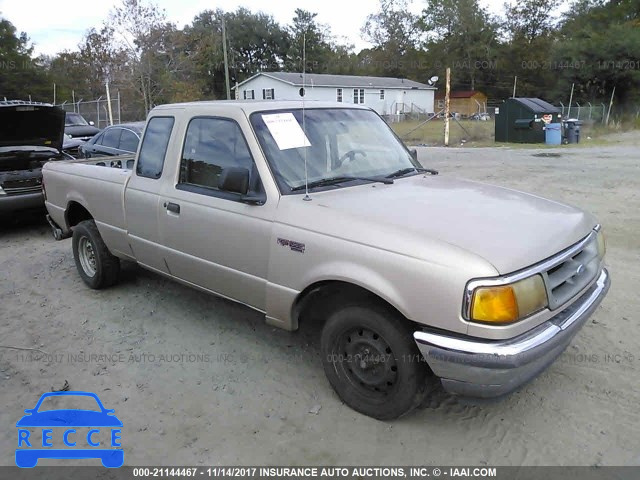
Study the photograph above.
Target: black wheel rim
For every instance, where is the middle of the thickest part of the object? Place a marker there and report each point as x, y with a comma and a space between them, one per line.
367, 362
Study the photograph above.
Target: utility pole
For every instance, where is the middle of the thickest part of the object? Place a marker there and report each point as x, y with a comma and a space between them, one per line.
106, 84
570, 100
610, 105
54, 93
226, 63
515, 82
447, 107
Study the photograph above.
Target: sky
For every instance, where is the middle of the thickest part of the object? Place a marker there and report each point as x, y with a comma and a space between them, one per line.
57, 25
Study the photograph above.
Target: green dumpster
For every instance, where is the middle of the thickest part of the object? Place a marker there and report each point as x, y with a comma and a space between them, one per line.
523, 120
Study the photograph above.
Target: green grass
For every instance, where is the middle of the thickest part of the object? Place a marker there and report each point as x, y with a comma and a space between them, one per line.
481, 134
467, 132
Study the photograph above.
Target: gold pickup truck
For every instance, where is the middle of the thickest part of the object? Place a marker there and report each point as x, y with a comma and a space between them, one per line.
319, 213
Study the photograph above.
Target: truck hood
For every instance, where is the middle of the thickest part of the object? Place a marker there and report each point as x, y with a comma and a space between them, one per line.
509, 229
25, 125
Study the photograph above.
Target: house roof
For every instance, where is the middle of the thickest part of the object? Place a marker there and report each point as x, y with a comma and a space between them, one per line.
326, 80
461, 94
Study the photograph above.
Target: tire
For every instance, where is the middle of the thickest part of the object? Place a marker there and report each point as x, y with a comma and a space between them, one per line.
372, 362
97, 267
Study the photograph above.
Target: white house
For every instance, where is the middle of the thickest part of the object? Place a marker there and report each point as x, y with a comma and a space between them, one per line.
386, 95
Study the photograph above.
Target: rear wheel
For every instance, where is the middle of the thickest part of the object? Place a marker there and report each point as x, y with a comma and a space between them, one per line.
372, 362
97, 267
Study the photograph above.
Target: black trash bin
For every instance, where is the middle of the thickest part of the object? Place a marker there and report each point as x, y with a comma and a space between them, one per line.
572, 130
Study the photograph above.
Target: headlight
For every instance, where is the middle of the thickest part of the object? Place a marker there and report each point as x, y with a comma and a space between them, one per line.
602, 244
508, 303
2, 192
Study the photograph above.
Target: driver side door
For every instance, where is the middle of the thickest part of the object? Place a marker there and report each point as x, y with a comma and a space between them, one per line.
211, 238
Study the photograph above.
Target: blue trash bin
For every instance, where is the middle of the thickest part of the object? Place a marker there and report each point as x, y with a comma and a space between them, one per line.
553, 134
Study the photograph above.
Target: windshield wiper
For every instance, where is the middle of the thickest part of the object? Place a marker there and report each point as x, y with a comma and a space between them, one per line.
404, 171
343, 178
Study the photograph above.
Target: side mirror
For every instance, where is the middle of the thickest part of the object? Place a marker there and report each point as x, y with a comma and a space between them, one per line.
414, 154
91, 123
234, 179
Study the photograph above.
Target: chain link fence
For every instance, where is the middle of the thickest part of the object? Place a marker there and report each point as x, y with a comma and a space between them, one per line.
97, 111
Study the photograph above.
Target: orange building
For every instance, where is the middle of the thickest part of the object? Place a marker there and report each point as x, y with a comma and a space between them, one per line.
464, 102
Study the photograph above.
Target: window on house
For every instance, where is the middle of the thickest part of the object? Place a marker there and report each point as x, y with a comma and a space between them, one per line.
358, 95
267, 94
381, 94
440, 103
249, 95
338, 95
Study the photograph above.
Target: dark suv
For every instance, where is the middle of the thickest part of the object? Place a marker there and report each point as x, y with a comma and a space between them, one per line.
76, 126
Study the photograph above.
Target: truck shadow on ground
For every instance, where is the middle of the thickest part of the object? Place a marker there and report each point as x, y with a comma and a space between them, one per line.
24, 223
207, 315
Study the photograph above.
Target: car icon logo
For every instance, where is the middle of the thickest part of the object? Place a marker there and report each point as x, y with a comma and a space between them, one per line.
580, 269
69, 422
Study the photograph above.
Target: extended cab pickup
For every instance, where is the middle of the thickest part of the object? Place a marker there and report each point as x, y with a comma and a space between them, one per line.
318, 213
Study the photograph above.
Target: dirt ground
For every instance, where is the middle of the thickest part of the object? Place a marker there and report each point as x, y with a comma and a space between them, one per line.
199, 380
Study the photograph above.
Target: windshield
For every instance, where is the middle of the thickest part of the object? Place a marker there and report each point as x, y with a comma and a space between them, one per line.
339, 142
73, 119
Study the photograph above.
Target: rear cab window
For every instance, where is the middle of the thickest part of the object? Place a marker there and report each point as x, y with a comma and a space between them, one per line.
154, 147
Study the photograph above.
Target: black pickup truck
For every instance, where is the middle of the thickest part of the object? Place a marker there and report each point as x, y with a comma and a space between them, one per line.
31, 134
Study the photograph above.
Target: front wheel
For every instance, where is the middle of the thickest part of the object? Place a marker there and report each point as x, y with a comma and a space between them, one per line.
372, 362
97, 267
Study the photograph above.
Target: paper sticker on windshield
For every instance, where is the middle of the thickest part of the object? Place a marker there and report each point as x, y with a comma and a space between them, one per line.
286, 131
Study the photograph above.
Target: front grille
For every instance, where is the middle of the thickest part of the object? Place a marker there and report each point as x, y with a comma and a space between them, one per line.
22, 191
19, 187
572, 274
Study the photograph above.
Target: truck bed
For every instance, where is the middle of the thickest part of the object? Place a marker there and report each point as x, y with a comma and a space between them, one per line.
100, 192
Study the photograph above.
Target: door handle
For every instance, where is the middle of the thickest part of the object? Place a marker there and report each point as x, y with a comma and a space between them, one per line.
172, 207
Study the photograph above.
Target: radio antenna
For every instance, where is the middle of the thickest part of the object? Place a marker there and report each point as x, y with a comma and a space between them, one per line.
306, 198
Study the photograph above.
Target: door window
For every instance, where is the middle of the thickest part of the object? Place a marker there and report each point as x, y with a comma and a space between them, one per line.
128, 141
111, 137
211, 145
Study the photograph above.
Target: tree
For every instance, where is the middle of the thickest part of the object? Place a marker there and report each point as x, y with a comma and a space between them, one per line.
393, 27
530, 19
462, 35
257, 43
20, 74
317, 39
135, 27
598, 43
393, 31
529, 29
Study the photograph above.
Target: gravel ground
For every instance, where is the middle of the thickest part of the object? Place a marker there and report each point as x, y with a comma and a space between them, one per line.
199, 380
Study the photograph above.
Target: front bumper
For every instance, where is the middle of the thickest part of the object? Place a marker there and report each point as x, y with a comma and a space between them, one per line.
27, 201
485, 369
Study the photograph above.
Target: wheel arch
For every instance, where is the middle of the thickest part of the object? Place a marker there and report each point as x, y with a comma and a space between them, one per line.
75, 213
317, 299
